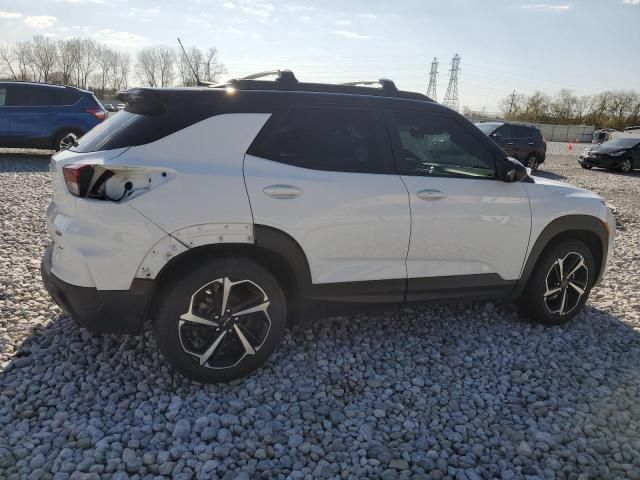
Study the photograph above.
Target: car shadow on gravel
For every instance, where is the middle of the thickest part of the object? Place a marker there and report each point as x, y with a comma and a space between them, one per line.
441, 377
28, 161
549, 175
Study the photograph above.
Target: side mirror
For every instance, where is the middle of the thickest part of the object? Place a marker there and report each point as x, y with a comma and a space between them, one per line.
496, 136
514, 171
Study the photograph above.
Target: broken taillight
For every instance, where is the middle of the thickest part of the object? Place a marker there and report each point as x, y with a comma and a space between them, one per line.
78, 178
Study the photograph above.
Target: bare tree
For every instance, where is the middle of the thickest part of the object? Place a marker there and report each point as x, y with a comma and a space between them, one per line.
106, 63
87, 61
7, 59
44, 56
68, 55
206, 65
155, 66
24, 60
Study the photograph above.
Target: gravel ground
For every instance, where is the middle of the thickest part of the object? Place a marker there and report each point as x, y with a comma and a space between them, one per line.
462, 391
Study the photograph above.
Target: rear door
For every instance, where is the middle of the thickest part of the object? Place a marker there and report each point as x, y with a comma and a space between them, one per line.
469, 229
503, 137
28, 113
324, 175
5, 131
522, 138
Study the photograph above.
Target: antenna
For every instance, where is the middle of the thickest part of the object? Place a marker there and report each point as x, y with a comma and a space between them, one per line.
200, 83
451, 97
433, 79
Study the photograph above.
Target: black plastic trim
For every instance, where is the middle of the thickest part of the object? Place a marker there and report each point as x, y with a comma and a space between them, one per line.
559, 226
459, 287
101, 311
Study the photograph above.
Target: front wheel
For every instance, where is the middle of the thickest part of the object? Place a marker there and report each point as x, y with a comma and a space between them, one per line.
560, 283
625, 166
586, 166
221, 320
65, 139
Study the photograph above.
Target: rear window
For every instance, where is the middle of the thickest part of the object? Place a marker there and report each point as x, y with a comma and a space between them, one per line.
129, 129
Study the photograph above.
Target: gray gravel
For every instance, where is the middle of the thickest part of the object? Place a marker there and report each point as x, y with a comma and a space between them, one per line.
464, 391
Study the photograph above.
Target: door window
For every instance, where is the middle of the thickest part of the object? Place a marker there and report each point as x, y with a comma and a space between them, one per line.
3, 97
520, 131
439, 146
503, 132
324, 138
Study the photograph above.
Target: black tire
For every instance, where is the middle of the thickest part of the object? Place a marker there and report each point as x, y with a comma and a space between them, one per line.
586, 167
543, 308
533, 161
626, 165
202, 285
58, 140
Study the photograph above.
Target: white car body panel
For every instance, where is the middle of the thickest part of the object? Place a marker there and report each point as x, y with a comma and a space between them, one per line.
481, 226
351, 226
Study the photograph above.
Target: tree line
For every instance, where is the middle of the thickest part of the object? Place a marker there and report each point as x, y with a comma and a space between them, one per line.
89, 64
609, 109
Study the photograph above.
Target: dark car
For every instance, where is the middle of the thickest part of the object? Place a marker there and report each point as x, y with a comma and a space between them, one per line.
622, 153
37, 115
521, 141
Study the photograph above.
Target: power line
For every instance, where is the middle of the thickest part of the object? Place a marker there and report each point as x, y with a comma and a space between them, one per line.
451, 97
433, 79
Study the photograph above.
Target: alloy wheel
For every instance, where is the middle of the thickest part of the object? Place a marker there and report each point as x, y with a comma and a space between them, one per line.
532, 163
626, 165
566, 283
226, 321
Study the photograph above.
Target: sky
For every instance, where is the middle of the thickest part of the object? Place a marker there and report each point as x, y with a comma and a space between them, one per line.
584, 45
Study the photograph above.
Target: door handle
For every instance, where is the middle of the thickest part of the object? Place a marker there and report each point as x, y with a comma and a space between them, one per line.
509, 143
431, 195
282, 192
530, 143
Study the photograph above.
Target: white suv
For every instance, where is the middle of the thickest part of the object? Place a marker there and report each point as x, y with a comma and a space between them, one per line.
226, 214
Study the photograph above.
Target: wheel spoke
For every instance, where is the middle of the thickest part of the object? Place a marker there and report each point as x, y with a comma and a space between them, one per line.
576, 288
204, 358
560, 263
577, 267
245, 343
552, 291
226, 287
190, 317
564, 301
258, 308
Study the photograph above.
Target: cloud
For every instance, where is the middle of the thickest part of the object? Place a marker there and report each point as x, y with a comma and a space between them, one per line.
119, 39
368, 16
10, 14
299, 8
350, 34
84, 1
40, 21
134, 11
229, 5
546, 7
257, 8
631, 2
342, 23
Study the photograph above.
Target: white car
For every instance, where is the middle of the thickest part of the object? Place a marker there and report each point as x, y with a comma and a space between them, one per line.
227, 214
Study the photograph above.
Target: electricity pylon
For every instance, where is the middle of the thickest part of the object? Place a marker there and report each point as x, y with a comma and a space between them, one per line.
433, 80
451, 97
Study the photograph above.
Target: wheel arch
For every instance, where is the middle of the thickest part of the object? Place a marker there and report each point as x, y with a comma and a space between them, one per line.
273, 249
588, 229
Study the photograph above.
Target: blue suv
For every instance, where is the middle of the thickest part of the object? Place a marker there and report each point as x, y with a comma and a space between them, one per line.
36, 115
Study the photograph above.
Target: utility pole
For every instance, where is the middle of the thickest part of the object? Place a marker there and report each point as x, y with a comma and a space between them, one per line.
512, 103
451, 97
433, 80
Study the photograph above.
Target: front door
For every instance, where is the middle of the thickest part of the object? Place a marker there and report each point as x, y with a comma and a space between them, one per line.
325, 176
469, 230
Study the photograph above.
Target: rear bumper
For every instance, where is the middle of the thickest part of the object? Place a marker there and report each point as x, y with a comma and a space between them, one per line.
101, 311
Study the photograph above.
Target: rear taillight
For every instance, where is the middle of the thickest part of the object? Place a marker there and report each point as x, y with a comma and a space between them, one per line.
98, 113
78, 178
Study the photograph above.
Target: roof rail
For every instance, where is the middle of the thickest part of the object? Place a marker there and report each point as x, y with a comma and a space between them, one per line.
286, 76
286, 80
386, 84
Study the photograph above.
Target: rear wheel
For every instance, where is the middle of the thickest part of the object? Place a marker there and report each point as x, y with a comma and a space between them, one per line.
62, 140
533, 162
625, 166
221, 321
560, 284
586, 166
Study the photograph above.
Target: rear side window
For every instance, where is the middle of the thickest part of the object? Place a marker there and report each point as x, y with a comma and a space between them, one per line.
3, 97
323, 138
64, 97
504, 131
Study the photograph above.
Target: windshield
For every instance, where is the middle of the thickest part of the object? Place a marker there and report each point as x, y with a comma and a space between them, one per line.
622, 142
487, 128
